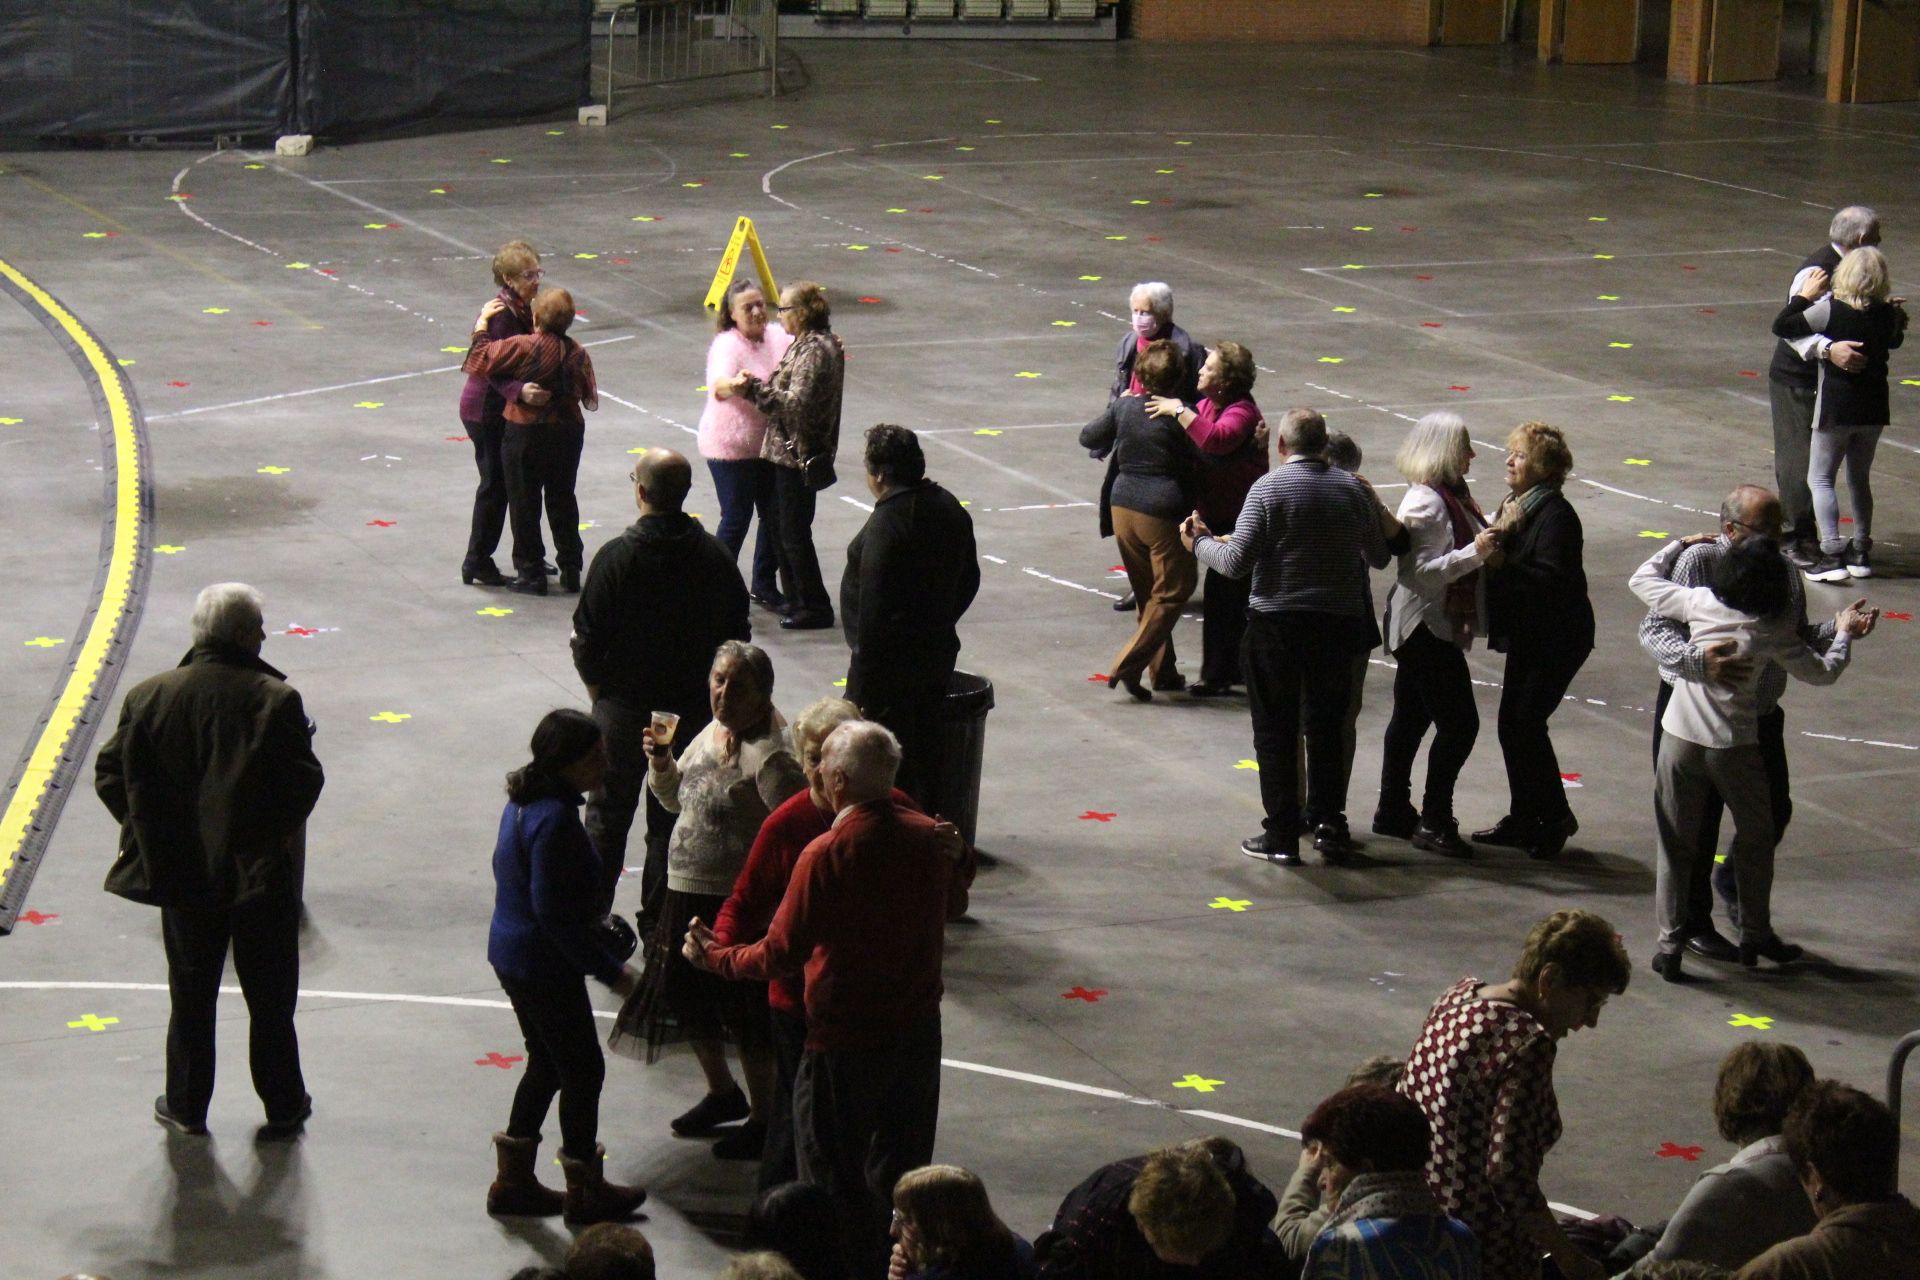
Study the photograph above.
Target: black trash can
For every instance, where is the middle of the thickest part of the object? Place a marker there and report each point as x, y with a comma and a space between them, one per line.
963, 741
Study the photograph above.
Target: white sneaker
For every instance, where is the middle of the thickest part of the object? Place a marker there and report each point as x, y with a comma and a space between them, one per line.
1859, 565
1827, 568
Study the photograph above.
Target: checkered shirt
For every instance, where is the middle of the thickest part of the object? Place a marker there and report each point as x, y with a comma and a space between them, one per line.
1482, 1070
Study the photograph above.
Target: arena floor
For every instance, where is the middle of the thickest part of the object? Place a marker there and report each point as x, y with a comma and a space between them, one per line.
1390, 231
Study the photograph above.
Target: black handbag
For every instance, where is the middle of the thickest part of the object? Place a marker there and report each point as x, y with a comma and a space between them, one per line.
617, 938
818, 472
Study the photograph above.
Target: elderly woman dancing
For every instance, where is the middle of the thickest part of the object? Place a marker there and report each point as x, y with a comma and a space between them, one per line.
734, 773
1435, 608
1538, 614
733, 434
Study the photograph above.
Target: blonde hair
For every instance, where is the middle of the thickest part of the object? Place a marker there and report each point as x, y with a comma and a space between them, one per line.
1545, 448
1862, 278
811, 726
514, 258
1435, 452
764, 1264
1182, 1203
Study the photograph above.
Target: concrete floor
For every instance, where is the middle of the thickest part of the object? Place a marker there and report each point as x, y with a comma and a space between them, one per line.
1514, 226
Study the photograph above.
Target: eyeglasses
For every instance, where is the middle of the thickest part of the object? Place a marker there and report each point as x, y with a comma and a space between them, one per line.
789, 307
535, 274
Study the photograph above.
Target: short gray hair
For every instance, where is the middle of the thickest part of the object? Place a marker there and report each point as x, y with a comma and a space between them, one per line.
750, 656
1304, 432
1435, 450
227, 613
1159, 297
1853, 226
867, 756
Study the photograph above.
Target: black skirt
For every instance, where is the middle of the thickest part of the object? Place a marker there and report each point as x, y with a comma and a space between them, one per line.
676, 1001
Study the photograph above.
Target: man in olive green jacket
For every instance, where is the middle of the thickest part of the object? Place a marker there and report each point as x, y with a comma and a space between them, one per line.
211, 775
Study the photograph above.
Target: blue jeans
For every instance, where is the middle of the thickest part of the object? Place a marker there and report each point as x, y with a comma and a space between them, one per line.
1832, 446
746, 489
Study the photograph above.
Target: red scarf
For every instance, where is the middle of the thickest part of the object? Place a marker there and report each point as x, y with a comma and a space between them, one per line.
1460, 605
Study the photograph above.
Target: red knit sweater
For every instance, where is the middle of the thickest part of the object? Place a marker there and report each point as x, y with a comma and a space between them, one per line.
865, 916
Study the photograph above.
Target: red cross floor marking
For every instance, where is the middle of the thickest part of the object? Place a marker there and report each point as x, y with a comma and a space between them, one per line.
34, 917
1423, 279
1674, 1151
380, 524
301, 631
1081, 993
458, 439
177, 383
1095, 816
504, 1061
1098, 675
265, 324
1898, 617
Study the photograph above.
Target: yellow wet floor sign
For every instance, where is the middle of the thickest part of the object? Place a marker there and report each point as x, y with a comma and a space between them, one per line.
744, 236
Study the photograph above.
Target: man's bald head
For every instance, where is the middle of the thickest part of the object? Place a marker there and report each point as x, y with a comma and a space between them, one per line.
661, 480
1750, 509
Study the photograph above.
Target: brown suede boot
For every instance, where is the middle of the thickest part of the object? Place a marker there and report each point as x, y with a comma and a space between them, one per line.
517, 1190
591, 1198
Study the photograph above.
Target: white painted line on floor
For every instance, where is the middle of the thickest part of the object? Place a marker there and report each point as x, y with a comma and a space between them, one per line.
348, 386
852, 501
977, 1068
637, 408
1064, 582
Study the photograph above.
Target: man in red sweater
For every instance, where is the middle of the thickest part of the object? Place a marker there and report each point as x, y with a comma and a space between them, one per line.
865, 916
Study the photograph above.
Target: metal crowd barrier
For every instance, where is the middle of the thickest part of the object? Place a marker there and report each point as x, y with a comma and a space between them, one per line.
1895, 1070
677, 41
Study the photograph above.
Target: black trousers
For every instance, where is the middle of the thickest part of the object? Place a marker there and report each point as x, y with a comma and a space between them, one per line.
1297, 668
610, 810
1534, 685
490, 499
265, 938
563, 1057
1223, 623
1431, 687
1709, 873
542, 462
861, 1119
780, 1158
793, 505
912, 709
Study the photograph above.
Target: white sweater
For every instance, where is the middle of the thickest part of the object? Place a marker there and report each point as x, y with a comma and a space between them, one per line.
1429, 566
1728, 715
721, 804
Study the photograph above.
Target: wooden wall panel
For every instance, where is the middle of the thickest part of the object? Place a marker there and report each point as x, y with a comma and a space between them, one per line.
1746, 40
1284, 21
1886, 59
1600, 31
1470, 22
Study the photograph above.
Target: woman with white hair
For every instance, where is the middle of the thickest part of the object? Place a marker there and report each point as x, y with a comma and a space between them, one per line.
1435, 608
1850, 409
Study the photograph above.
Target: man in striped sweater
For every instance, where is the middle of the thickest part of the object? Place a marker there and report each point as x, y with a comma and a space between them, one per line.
1307, 534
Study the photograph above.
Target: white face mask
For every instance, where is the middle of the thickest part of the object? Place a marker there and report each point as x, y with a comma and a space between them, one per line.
1145, 323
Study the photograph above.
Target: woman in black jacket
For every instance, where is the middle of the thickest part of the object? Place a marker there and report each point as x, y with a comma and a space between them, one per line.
1539, 615
1156, 470
1850, 409
549, 899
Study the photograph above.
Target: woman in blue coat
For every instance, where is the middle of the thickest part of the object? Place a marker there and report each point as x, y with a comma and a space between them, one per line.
549, 900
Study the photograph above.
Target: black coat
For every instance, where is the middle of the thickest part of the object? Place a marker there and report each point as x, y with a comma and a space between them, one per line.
1537, 598
211, 775
1123, 358
657, 601
912, 571
1843, 399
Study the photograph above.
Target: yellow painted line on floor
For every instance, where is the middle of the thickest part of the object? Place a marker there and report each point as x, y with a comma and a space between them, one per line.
116, 593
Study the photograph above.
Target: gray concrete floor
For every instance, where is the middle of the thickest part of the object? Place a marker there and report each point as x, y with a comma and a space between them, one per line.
1514, 224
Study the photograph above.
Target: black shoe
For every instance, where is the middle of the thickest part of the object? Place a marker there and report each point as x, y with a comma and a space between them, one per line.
744, 1143
1139, 692
179, 1124
1125, 603
1550, 837
1332, 841
527, 586
768, 600
549, 568
1209, 689
487, 575
570, 581
803, 620
1396, 820
1751, 953
279, 1130
1828, 568
1170, 684
710, 1113
1667, 965
1509, 833
1441, 837
1801, 555
1711, 945
1267, 849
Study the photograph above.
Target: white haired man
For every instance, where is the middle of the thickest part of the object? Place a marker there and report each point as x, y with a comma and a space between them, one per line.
865, 916
1793, 381
211, 775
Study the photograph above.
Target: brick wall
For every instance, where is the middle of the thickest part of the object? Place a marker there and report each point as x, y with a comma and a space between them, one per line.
1283, 21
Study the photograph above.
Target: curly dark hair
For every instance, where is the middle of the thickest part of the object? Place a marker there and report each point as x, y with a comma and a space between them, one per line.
1752, 578
1369, 1126
894, 454
1162, 368
1849, 1137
